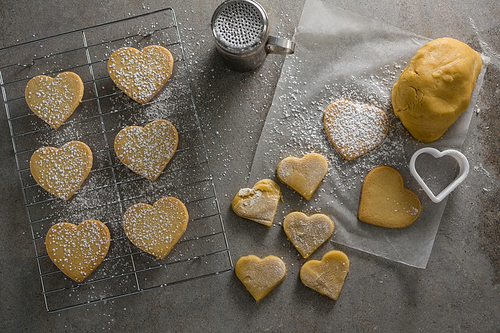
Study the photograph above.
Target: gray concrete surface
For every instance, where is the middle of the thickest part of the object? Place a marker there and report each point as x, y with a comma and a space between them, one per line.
457, 292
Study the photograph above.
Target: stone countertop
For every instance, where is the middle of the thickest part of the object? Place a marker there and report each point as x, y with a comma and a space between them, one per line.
457, 292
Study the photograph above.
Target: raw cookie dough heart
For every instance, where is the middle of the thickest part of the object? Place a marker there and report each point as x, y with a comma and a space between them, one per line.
385, 201
156, 229
307, 233
303, 174
260, 276
61, 171
327, 275
355, 129
54, 99
141, 74
259, 203
147, 151
78, 250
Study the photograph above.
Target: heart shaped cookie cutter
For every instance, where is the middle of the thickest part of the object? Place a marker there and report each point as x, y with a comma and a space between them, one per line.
463, 163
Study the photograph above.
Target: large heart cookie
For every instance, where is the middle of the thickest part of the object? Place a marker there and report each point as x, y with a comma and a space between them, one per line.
327, 275
147, 151
54, 99
355, 129
156, 229
78, 250
307, 233
141, 74
260, 276
385, 201
303, 174
61, 171
259, 203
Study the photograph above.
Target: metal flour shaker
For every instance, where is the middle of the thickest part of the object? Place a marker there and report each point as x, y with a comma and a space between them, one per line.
241, 32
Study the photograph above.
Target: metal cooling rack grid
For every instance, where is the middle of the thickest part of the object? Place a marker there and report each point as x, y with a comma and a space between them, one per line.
111, 188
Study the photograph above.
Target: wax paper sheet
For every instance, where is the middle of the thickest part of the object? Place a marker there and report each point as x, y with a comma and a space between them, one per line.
340, 54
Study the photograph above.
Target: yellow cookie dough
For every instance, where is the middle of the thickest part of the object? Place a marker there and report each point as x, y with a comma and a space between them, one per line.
303, 174
385, 201
436, 87
307, 233
259, 203
260, 276
327, 275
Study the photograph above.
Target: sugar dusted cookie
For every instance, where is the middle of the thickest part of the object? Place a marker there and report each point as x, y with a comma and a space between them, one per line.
147, 150
355, 129
303, 174
307, 233
385, 201
78, 250
327, 275
62, 171
259, 203
141, 74
156, 229
260, 276
54, 99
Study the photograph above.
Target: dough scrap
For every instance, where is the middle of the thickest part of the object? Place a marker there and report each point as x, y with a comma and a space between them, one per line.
305, 174
259, 203
385, 201
307, 233
260, 276
436, 87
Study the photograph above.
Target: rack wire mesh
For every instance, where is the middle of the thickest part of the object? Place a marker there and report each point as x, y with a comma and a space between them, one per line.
111, 187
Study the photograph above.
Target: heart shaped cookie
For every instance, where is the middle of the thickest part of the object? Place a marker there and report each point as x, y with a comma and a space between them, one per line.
141, 74
355, 129
61, 171
147, 151
259, 203
303, 174
327, 275
260, 276
78, 250
385, 201
54, 99
156, 229
307, 233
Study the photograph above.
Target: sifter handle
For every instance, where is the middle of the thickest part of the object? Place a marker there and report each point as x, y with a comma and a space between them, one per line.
280, 45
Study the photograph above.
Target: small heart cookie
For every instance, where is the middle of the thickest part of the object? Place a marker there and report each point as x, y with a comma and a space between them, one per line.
156, 229
259, 203
141, 74
54, 99
78, 250
260, 276
61, 171
385, 201
327, 275
303, 174
307, 233
355, 129
147, 150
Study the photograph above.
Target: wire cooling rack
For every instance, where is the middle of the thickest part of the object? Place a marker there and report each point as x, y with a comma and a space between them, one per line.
111, 188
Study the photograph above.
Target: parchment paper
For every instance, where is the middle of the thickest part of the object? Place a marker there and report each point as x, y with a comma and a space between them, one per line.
340, 54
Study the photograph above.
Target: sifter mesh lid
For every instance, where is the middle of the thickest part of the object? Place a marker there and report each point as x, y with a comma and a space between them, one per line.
239, 24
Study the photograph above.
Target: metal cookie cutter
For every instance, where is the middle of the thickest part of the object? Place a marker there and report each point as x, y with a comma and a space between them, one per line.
241, 32
463, 163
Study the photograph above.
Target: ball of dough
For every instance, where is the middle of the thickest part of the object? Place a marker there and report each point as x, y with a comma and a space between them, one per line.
436, 87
